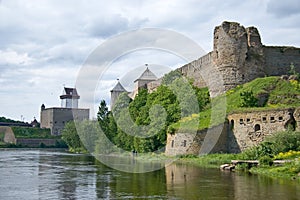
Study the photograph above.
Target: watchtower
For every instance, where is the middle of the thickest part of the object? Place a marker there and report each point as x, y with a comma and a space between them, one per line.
115, 93
69, 98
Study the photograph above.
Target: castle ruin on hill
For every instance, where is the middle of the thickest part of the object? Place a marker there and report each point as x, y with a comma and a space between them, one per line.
238, 57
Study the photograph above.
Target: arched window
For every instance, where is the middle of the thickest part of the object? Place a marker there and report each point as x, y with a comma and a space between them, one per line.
257, 127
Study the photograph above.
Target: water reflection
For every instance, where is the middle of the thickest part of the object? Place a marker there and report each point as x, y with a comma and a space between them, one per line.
188, 182
40, 174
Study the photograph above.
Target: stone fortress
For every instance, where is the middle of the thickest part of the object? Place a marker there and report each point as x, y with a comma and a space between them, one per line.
238, 57
55, 118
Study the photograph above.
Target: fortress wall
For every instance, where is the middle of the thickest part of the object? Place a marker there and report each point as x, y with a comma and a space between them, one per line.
198, 143
196, 70
279, 59
250, 129
241, 131
35, 142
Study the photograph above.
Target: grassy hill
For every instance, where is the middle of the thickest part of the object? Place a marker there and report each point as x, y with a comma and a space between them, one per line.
268, 93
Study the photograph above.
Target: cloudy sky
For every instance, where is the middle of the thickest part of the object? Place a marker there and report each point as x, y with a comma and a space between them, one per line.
45, 44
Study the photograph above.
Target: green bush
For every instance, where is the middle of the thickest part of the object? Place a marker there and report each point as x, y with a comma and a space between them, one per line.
266, 160
278, 143
285, 141
248, 99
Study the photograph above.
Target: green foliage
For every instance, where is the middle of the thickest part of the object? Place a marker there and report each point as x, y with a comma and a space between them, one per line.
138, 105
280, 94
3, 119
291, 154
209, 160
202, 97
102, 114
71, 138
286, 171
89, 132
285, 141
273, 145
164, 97
186, 96
248, 99
266, 160
170, 77
32, 132
151, 114
106, 121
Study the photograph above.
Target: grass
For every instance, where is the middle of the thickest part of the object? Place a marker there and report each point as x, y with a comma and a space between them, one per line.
209, 160
287, 171
30, 132
280, 94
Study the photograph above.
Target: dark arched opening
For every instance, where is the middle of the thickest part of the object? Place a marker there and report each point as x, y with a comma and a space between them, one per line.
257, 127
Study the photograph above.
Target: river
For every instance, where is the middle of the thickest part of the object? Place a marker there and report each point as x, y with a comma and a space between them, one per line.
48, 174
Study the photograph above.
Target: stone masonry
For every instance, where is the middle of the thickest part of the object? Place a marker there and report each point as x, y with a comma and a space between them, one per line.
240, 131
249, 129
238, 57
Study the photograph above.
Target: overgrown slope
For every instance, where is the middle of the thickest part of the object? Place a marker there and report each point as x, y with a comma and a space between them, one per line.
268, 93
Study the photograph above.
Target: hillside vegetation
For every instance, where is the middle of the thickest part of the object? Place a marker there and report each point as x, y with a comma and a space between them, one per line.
259, 94
184, 106
31, 132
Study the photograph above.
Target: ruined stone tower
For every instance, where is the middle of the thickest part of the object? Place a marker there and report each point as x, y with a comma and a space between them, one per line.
238, 53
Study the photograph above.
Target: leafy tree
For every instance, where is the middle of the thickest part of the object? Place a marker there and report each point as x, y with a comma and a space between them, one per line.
186, 96
89, 132
123, 120
141, 124
164, 97
138, 103
71, 138
170, 77
102, 114
106, 121
202, 97
121, 104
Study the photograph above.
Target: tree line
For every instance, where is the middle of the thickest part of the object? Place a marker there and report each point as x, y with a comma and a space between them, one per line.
139, 124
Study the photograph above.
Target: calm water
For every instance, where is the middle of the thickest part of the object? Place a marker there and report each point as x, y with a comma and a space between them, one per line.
42, 174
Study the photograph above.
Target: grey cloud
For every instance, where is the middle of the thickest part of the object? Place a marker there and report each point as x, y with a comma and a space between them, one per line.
107, 26
283, 8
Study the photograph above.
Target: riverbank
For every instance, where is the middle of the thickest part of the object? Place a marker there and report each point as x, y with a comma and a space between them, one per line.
290, 170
